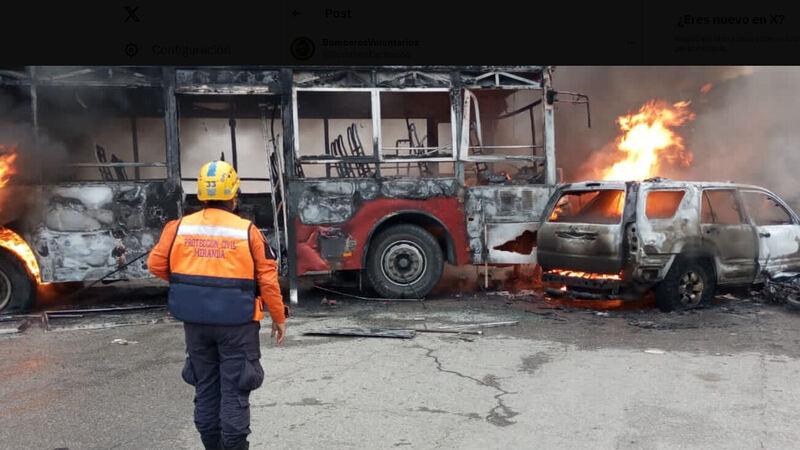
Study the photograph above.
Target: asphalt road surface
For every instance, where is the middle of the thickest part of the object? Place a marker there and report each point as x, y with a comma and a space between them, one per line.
721, 377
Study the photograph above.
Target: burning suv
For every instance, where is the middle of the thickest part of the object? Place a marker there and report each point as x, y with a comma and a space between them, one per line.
608, 239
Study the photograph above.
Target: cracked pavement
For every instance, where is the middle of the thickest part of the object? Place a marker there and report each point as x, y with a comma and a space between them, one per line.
721, 377
500, 414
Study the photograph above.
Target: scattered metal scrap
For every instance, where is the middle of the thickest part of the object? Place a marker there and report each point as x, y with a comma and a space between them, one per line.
364, 332
410, 333
664, 325
48, 317
483, 325
782, 288
13, 327
13, 317
518, 294
440, 330
372, 299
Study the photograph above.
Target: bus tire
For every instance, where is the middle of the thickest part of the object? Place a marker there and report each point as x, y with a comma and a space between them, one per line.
404, 261
17, 290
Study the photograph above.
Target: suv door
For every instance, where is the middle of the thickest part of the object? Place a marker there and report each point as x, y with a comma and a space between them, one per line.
725, 229
583, 231
778, 232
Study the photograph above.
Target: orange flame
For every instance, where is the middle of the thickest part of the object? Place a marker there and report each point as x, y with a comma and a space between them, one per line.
648, 141
8, 238
7, 158
14, 242
586, 275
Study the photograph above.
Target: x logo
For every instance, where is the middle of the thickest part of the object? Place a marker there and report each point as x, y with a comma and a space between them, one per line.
132, 13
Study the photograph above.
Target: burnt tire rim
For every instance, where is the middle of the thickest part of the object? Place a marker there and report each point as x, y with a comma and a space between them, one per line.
403, 263
5, 290
690, 288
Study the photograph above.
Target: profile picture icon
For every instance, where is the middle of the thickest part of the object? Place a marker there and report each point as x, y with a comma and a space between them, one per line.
302, 48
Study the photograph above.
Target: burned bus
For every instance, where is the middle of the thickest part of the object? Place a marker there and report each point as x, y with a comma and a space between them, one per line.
384, 172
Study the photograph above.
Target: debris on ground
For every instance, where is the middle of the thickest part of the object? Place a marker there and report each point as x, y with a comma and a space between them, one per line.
655, 351
440, 330
782, 288
12, 327
680, 323
662, 325
16, 317
328, 302
364, 332
372, 299
315, 315
123, 342
482, 325
496, 324
99, 318
517, 295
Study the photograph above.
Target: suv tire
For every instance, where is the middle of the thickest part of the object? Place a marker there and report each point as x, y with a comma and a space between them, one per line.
401, 251
690, 283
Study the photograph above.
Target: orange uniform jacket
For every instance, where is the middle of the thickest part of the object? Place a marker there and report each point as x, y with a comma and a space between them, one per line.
265, 269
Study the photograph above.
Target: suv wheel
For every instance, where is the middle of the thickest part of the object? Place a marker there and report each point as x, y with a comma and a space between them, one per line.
404, 261
690, 282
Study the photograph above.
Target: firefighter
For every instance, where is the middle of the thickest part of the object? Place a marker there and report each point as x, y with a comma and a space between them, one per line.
222, 274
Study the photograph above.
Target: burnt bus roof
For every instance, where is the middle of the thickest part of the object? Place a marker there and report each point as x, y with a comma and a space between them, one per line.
144, 76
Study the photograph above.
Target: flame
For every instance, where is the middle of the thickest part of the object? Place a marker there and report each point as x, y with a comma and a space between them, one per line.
605, 204
14, 242
8, 238
586, 275
648, 141
7, 169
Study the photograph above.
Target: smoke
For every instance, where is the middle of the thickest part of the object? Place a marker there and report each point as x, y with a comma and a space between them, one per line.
746, 131
39, 159
745, 128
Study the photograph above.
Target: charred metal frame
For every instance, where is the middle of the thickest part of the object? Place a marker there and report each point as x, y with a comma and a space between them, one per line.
377, 136
85, 230
482, 202
646, 248
469, 99
99, 77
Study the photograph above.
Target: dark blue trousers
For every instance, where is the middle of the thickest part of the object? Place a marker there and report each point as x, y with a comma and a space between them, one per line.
223, 365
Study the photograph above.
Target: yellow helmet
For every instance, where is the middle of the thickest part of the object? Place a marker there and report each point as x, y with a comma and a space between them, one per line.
217, 181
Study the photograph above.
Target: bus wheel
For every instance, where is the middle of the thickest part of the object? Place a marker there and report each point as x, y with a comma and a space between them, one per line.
404, 261
17, 291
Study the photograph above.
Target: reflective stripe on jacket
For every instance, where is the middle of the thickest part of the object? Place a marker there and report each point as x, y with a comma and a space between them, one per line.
212, 273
